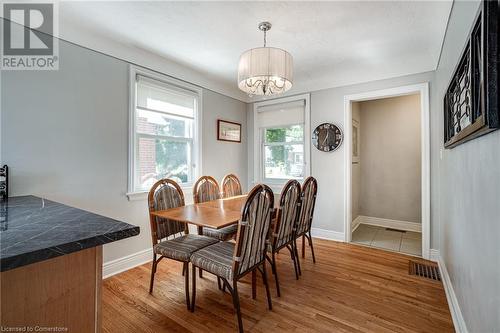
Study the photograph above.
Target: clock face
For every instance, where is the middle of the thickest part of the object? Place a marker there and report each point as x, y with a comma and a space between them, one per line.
327, 137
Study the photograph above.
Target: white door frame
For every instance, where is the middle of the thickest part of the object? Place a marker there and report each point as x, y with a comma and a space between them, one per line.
423, 90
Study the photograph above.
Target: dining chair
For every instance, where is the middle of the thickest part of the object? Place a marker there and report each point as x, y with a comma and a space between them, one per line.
171, 239
283, 233
231, 186
307, 203
207, 189
231, 261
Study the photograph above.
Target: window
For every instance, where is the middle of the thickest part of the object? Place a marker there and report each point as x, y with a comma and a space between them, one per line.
282, 146
282, 131
164, 129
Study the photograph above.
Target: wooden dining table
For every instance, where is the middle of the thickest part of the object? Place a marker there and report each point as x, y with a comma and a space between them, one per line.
215, 214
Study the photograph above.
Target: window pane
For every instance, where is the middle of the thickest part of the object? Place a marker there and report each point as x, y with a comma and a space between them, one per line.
156, 123
158, 158
285, 134
284, 161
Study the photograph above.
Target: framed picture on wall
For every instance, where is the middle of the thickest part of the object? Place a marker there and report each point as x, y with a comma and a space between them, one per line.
355, 141
471, 103
228, 131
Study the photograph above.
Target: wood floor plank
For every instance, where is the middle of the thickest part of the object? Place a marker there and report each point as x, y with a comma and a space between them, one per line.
351, 288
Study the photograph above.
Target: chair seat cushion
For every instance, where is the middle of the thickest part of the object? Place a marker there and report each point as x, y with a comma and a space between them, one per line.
216, 259
181, 248
221, 234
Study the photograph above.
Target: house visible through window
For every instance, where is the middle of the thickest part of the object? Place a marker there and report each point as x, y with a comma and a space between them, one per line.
283, 129
165, 135
283, 151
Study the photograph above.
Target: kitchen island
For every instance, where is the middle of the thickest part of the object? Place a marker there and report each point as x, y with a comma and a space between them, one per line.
51, 265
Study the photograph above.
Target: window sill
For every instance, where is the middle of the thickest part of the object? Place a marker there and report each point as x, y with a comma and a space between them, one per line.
143, 195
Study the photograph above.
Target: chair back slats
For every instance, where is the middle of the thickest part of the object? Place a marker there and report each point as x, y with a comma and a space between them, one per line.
308, 200
205, 189
165, 194
253, 229
231, 186
288, 214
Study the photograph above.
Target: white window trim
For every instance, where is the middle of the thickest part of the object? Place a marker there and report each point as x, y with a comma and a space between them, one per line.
258, 170
132, 194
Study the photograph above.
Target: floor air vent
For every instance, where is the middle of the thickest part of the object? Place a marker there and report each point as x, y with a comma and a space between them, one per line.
425, 270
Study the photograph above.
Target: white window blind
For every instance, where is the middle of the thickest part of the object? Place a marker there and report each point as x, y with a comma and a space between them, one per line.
165, 136
291, 113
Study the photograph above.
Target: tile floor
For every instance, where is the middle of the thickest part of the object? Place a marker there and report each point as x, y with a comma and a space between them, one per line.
408, 242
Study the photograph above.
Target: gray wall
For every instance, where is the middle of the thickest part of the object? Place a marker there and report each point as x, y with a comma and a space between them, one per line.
64, 136
391, 159
469, 198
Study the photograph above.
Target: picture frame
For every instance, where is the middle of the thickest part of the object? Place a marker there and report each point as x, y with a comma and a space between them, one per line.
228, 131
471, 102
355, 142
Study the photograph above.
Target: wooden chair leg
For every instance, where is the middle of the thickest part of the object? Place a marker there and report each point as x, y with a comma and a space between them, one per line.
236, 302
254, 284
275, 269
194, 288
311, 245
186, 285
264, 279
153, 271
303, 246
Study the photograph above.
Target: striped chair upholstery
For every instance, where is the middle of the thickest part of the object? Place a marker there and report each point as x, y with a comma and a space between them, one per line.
207, 189
253, 229
287, 215
221, 234
231, 261
166, 195
181, 248
216, 259
283, 234
170, 238
231, 186
309, 190
307, 203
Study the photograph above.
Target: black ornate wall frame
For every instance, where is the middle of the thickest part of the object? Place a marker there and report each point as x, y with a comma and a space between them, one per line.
471, 102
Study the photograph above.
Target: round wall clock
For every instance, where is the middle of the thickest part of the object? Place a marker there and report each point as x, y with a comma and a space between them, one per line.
327, 137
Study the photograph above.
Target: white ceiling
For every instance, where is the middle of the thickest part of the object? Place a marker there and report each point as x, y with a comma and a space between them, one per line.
333, 43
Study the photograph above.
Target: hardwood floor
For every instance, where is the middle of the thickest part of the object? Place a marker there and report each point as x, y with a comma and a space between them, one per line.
351, 288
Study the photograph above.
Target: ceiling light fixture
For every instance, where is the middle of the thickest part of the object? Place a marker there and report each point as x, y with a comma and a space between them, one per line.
265, 70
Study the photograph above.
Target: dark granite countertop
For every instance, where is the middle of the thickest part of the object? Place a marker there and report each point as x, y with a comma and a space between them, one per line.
33, 229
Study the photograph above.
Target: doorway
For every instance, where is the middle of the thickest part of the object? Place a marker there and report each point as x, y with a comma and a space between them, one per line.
393, 212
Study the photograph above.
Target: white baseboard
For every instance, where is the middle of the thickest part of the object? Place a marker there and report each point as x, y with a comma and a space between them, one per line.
388, 223
327, 234
456, 314
119, 265
355, 224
